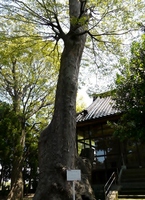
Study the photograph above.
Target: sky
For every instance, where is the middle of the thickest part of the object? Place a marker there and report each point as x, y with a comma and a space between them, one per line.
85, 97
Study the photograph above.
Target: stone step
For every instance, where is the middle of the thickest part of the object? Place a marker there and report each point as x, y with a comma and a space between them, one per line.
133, 185
136, 193
131, 179
134, 172
132, 192
128, 197
131, 198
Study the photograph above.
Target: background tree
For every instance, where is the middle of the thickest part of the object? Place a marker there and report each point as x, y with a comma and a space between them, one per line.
30, 172
6, 142
25, 84
80, 103
71, 21
130, 93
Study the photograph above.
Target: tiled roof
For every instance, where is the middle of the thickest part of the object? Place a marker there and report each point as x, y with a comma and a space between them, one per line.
101, 107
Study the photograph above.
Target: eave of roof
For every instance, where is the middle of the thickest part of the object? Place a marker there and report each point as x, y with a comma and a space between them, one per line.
100, 108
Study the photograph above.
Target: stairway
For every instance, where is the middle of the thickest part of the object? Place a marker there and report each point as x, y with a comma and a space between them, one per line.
132, 184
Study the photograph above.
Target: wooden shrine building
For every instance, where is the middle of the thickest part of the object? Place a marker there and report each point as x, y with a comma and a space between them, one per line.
95, 140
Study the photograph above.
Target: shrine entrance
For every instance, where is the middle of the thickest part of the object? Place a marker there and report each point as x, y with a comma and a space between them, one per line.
109, 153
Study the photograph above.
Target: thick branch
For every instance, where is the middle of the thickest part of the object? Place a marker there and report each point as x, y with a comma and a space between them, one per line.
74, 8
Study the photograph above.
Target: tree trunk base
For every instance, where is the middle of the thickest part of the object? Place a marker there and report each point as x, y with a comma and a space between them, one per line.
16, 192
54, 186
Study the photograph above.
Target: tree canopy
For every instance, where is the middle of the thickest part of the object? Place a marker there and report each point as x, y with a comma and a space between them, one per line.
107, 22
130, 93
27, 82
26, 72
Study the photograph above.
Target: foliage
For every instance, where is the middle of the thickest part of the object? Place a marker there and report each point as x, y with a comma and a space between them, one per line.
6, 139
9, 139
130, 93
9, 129
104, 94
108, 21
80, 103
28, 75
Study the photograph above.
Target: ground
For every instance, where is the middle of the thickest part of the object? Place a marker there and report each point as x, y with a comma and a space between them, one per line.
27, 197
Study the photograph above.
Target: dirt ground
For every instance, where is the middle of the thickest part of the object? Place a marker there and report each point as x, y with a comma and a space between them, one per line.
27, 197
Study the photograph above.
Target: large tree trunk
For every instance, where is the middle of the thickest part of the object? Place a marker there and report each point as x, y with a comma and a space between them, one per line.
57, 146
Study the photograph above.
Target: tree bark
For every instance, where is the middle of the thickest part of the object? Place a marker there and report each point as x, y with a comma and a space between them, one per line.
17, 186
16, 192
57, 145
